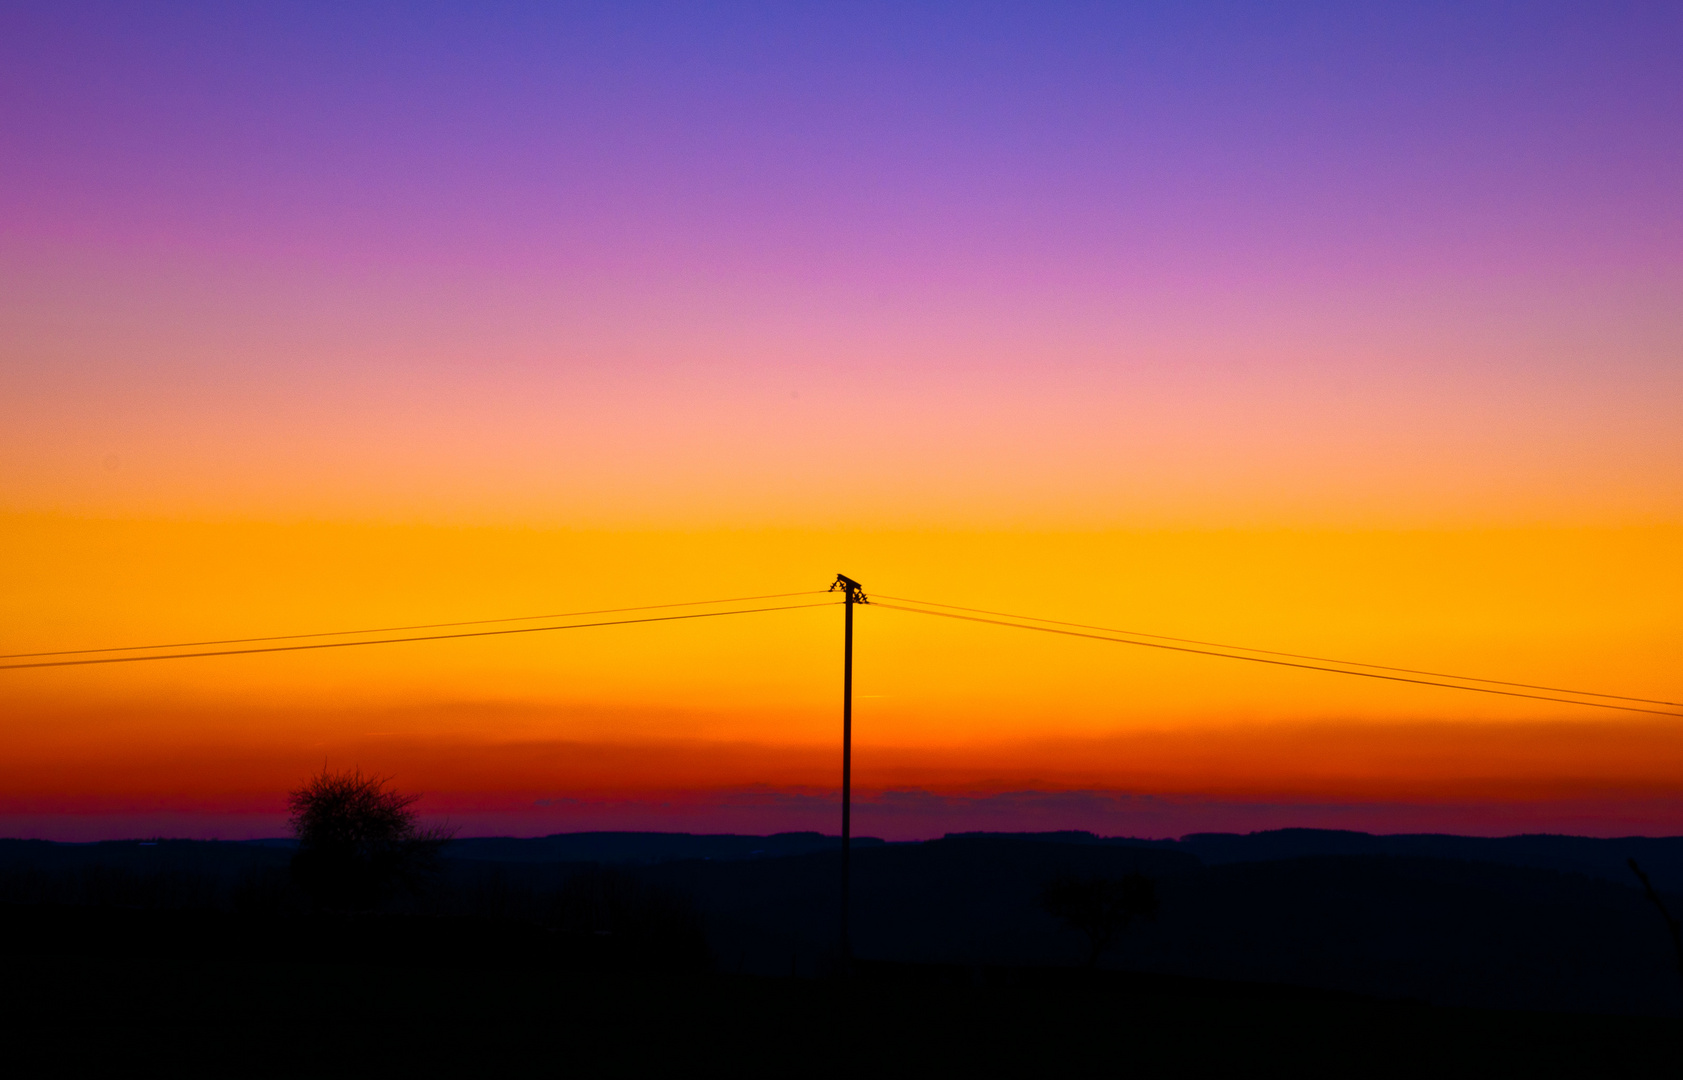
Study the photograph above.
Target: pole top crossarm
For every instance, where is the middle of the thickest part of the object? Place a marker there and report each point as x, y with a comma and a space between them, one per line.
853, 592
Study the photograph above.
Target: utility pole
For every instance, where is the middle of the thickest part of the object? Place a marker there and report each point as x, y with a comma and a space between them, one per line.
852, 593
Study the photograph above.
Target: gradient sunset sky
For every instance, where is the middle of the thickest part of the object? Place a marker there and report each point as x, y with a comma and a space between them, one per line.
1351, 330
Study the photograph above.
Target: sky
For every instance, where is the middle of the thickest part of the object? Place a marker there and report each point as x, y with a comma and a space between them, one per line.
1346, 330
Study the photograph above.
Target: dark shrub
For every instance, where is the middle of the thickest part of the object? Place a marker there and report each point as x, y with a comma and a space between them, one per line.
1101, 908
627, 921
358, 841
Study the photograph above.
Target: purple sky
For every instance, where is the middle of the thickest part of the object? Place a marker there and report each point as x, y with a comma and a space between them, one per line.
857, 146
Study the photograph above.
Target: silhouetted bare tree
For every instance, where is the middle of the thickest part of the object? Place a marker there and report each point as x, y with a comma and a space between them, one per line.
1101, 908
358, 840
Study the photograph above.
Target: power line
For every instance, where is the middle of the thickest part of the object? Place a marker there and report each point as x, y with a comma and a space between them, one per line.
402, 640
1021, 622
1294, 656
398, 629
1278, 663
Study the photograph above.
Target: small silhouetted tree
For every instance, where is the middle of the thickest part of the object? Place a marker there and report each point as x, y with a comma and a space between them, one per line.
359, 841
1672, 923
1100, 907
618, 918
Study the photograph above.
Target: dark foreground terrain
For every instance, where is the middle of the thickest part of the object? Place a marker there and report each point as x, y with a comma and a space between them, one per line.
85, 1016
602, 954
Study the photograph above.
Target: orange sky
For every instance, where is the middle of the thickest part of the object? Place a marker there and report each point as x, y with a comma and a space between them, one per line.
697, 710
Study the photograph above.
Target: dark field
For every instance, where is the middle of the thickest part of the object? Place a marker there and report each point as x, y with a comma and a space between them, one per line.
87, 1016
1325, 954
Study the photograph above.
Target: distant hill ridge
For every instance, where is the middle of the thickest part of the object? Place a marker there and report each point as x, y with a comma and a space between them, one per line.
1661, 857
645, 847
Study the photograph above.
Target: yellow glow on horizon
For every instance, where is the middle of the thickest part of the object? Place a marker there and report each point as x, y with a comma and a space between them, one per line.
941, 702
